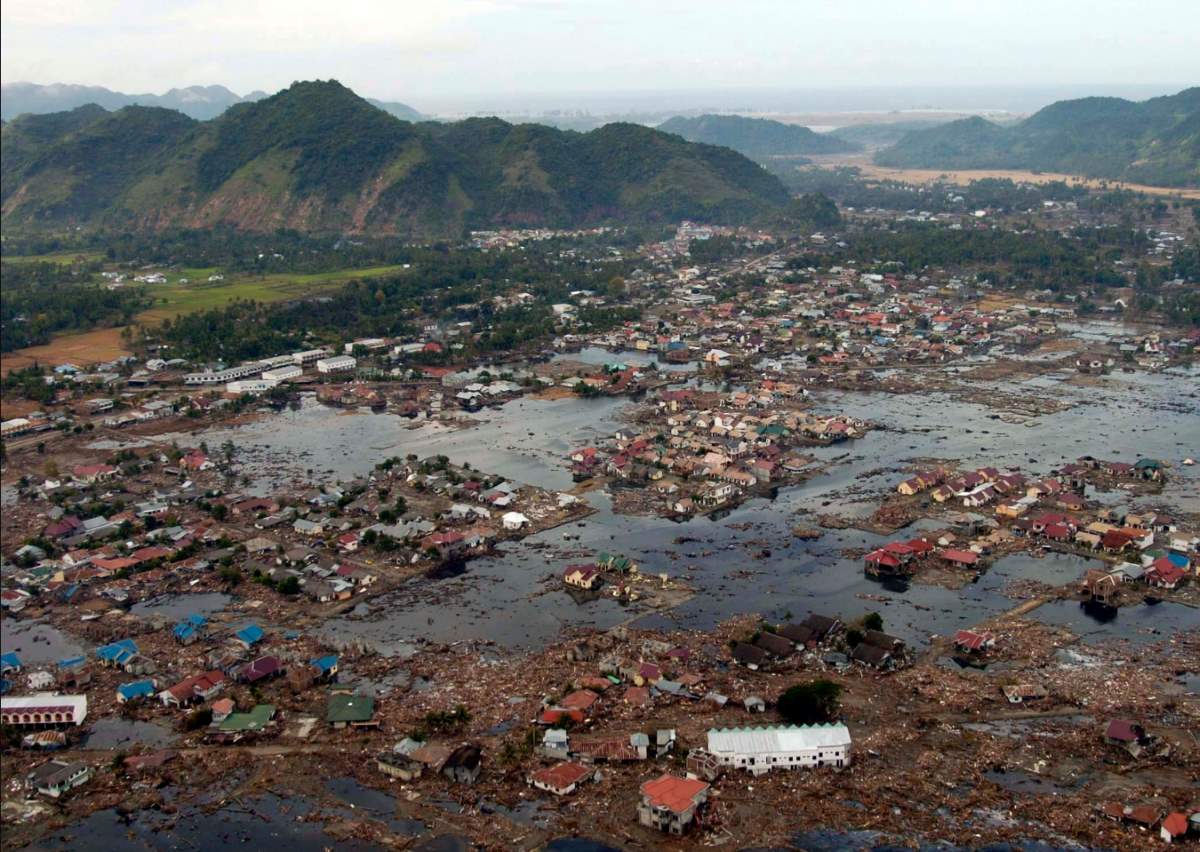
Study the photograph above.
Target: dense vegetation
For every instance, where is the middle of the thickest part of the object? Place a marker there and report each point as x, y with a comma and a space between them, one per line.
453, 285
1027, 259
1153, 142
756, 137
882, 134
318, 158
41, 299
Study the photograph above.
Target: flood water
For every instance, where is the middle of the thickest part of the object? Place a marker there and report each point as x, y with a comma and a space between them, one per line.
265, 822
37, 643
513, 598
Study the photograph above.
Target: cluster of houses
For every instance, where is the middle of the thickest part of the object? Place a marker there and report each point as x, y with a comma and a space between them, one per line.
711, 449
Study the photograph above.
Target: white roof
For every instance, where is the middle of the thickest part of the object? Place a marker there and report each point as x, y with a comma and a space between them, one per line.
778, 739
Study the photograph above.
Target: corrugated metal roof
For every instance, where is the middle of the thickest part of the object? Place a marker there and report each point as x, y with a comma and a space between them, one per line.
782, 738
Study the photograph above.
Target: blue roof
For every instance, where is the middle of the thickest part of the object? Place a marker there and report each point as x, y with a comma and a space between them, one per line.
189, 626
250, 634
71, 662
137, 689
10, 660
5, 686
117, 652
1178, 560
326, 663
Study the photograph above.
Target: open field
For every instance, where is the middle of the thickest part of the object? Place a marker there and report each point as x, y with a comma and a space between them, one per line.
200, 294
965, 176
89, 347
55, 257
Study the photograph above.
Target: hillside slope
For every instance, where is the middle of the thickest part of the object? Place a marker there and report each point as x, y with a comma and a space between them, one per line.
755, 137
317, 157
1152, 142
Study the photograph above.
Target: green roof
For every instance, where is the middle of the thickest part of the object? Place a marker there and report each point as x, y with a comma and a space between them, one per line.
350, 708
255, 720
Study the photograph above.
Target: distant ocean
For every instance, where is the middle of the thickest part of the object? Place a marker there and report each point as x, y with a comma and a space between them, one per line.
955, 99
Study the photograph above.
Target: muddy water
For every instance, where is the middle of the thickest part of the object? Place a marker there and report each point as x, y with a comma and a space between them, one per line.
513, 598
113, 733
37, 643
172, 607
265, 822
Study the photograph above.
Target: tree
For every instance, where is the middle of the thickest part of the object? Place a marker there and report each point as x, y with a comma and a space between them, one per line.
872, 621
289, 586
809, 703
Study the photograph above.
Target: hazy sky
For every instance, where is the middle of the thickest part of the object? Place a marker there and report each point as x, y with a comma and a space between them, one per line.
442, 50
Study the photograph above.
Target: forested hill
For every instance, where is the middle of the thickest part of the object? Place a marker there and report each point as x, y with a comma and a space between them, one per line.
1153, 142
317, 157
199, 102
756, 137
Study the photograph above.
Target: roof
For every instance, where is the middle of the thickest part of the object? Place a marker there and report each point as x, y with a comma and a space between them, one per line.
137, 689
256, 719
1175, 824
1124, 730
251, 633
780, 738
965, 557
673, 793
350, 708
561, 776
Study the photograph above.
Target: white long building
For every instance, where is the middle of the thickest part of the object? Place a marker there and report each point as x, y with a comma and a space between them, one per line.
43, 709
336, 364
759, 750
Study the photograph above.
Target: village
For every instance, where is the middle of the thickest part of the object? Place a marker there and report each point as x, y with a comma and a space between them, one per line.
180, 613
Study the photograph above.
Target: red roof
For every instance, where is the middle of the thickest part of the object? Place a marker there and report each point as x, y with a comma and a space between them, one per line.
882, 557
1175, 824
674, 793
964, 557
562, 776
971, 640
581, 699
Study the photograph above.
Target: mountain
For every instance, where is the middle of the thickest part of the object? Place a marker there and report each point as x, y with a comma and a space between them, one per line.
317, 157
1152, 142
883, 133
755, 137
199, 102
401, 111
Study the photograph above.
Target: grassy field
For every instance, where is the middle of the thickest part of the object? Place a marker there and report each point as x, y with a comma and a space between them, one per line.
200, 294
175, 298
55, 257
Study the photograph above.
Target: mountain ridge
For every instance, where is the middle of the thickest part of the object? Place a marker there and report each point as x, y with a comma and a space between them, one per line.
755, 137
1154, 142
317, 157
198, 102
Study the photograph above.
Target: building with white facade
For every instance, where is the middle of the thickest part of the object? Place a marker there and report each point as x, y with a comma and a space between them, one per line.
221, 377
308, 356
368, 343
248, 386
336, 364
759, 750
288, 373
43, 709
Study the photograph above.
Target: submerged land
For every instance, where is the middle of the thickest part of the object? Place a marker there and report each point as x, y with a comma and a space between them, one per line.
471, 543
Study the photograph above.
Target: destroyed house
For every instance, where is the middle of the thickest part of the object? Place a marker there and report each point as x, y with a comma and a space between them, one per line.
774, 644
57, 777
750, 656
464, 764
